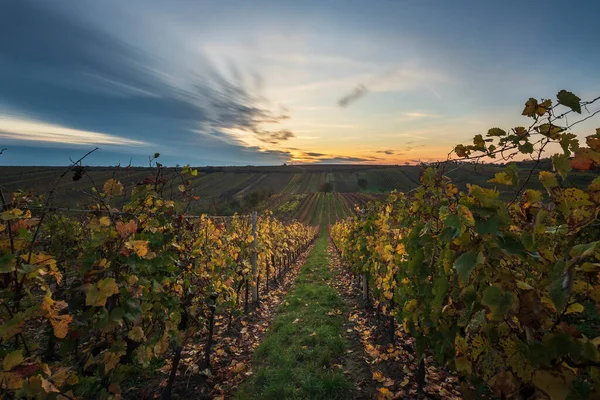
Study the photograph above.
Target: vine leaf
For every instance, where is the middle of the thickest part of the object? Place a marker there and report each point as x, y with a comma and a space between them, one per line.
12, 360
555, 384
112, 187
570, 100
466, 263
548, 179
98, 294
496, 132
561, 164
585, 158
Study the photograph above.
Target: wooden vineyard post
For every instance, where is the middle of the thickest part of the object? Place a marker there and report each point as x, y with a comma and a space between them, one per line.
254, 258
365, 287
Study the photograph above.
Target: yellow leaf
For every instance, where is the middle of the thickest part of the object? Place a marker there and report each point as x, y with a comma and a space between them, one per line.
384, 393
548, 179
239, 367
97, 294
523, 286
140, 247
104, 221
11, 380
110, 360
378, 376
574, 308
556, 384
581, 287
49, 386
61, 375
136, 334
181, 188
60, 323
502, 178
112, 187
12, 360
549, 304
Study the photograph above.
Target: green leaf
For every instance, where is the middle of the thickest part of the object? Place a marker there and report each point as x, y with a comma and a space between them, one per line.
526, 148
562, 164
479, 142
466, 263
570, 100
7, 263
453, 221
549, 130
461, 151
498, 301
492, 225
530, 107
496, 132
491, 296
513, 171
569, 142
584, 250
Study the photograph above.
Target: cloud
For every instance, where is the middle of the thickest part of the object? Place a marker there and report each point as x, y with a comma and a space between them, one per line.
313, 154
70, 74
394, 80
420, 115
21, 129
354, 95
345, 159
323, 158
335, 126
410, 148
388, 152
275, 137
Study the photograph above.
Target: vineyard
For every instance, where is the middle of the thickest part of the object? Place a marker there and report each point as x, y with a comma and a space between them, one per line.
303, 208
230, 190
88, 300
504, 292
473, 281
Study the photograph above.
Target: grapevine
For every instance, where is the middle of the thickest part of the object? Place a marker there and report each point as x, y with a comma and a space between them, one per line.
495, 289
85, 299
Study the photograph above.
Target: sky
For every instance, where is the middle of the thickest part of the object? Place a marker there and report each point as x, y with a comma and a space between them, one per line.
272, 82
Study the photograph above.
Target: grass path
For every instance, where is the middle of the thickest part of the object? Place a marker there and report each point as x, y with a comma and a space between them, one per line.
301, 354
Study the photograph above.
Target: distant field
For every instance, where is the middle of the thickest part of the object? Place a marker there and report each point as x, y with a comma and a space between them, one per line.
292, 192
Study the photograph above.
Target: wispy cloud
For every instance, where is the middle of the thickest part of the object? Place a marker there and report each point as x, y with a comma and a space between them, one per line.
21, 129
333, 126
386, 152
416, 115
394, 80
275, 137
324, 158
354, 95
123, 95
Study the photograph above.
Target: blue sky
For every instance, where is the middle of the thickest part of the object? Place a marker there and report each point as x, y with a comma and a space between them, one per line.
267, 82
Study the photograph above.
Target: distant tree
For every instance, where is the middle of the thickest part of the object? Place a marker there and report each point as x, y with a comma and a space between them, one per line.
326, 187
362, 183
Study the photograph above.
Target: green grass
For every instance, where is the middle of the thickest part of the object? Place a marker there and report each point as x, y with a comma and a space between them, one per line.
296, 358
